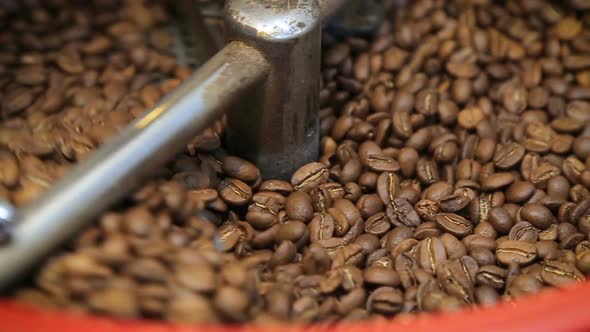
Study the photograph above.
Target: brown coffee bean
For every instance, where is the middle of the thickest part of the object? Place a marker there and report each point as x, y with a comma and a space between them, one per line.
231, 302
71, 62
462, 69
240, 169
509, 155
427, 209
522, 285
385, 300
381, 276
400, 212
501, 220
321, 227
566, 125
263, 212
31, 75
408, 158
431, 253
294, 231
538, 215
470, 117
497, 181
515, 99
281, 187
299, 207
284, 254
572, 168
401, 124
461, 90
200, 278
486, 296
492, 276
454, 202
379, 163
9, 169
518, 252
351, 212
337, 54
377, 224
341, 223
519, 191
567, 28
454, 224
309, 176
235, 192
541, 174
369, 242
116, 302
387, 186
427, 171
427, 102
556, 273
457, 277
16, 101
523, 231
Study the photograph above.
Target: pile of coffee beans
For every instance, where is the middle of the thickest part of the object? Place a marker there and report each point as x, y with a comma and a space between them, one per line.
71, 75
455, 143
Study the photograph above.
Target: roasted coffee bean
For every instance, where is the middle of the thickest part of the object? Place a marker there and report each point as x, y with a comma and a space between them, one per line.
385, 300
454, 224
431, 253
500, 219
519, 191
522, 285
492, 276
427, 171
453, 246
369, 205
470, 117
454, 202
523, 231
262, 213
294, 231
427, 101
538, 215
381, 276
437, 190
400, 212
457, 277
497, 181
556, 273
388, 186
240, 169
408, 158
518, 252
235, 192
351, 212
452, 168
321, 227
309, 176
379, 163
377, 224
299, 207
543, 173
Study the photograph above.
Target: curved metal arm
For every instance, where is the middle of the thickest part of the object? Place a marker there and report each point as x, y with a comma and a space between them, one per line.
119, 165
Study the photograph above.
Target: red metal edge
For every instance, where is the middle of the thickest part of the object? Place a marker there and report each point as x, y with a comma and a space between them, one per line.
555, 310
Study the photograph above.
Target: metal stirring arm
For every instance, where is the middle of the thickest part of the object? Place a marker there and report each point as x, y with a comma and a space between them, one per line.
270, 46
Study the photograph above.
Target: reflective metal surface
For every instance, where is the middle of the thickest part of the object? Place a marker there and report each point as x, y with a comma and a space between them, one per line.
122, 163
278, 127
7, 219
